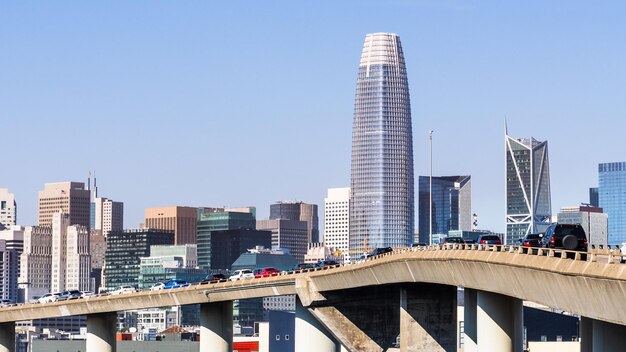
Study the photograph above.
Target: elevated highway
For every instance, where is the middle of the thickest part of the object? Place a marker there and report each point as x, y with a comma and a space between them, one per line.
500, 277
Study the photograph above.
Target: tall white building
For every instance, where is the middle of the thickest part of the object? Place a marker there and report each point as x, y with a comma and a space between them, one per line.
71, 262
35, 261
11, 244
8, 208
108, 215
337, 220
592, 219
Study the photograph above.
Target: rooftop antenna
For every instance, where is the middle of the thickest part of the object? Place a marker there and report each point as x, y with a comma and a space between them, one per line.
89, 181
95, 185
506, 128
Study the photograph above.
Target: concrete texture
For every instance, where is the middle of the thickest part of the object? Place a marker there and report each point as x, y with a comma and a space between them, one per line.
311, 335
469, 311
101, 332
216, 327
7, 337
428, 318
499, 322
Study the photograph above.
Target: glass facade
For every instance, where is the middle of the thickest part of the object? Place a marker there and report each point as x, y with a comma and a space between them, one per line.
452, 208
527, 183
612, 198
382, 199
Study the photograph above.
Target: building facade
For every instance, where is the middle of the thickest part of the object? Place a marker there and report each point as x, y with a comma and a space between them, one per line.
287, 234
124, 252
36, 261
337, 221
612, 198
68, 197
298, 211
181, 220
451, 205
592, 219
11, 247
8, 208
382, 186
228, 245
527, 187
108, 215
71, 261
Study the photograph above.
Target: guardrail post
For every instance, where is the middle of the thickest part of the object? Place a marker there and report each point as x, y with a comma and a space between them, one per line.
7, 337
101, 332
216, 327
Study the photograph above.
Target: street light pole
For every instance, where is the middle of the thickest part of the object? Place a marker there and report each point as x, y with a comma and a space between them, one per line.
430, 192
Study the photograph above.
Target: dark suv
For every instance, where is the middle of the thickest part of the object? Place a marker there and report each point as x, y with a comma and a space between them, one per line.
565, 236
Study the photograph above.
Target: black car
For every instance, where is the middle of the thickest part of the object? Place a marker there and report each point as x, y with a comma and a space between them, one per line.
326, 263
379, 251
565, 236
531, 240
212, 278
303, 266
489, 239
419, 244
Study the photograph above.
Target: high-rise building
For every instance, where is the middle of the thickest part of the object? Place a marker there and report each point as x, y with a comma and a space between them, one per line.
97, 250
36, 261
451, 205
71, 262
228, 245
8, 208
593, 197
68, 197
287, 234
382, 191
220, 219
11, 246
298, 211
592, 219
612, 198
527, 187
108, 215
124, 252
181, 220
337, 221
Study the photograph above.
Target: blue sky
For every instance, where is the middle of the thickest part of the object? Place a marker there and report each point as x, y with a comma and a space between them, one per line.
245, 103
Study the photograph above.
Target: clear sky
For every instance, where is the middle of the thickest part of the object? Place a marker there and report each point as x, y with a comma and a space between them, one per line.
207, 103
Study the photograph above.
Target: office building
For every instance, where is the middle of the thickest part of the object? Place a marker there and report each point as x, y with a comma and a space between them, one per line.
318, 252
337, 221
71, 261
592, 219
167, 262
451, 205
612, 198
108, 215
97, 250
527, 187
124, 252
36, 261
181, 220
8, 209
381, 184
298, 211
593, 197
11, 247
287, 234
220, 219
228, 245
68, 197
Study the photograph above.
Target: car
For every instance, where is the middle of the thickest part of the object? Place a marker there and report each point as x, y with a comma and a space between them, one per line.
87, 294
49, 297
565, 236
531, 240
453, 240
241, 274
212, 278
470, 241
326, 263
489, 239
70, 294
379, 251
124, 289
266, 272
175, 283
303, 266
420, 244
6, 303
158, 286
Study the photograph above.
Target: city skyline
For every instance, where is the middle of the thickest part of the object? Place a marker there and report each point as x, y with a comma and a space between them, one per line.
121, 88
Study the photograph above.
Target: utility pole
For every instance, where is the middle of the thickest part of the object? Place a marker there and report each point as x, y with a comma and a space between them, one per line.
430, 192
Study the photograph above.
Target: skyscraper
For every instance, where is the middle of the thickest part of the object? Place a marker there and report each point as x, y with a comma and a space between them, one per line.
69, 197
8, 208
11, 247
452, 205
336, 220
108, 215
527, 187
382, 191
182, 220
612, 198
298, 211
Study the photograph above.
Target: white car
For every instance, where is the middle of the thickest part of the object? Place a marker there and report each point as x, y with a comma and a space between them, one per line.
49, 297
242, 275
123, 290
157, 287
87, 294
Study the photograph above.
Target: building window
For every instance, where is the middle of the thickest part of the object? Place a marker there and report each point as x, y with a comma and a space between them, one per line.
277, 337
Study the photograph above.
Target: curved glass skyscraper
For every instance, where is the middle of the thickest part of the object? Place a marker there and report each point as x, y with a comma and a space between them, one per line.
382, 197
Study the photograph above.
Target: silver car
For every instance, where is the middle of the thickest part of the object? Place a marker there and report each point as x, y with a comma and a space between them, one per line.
242, 275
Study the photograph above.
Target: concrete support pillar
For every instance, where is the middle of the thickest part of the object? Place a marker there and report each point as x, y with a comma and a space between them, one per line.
586, 334
311, 335
428, 318
101, 332
7, 337
216, 327
499, 322
470, 339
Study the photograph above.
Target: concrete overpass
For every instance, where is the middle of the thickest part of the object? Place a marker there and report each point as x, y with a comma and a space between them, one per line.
410, 292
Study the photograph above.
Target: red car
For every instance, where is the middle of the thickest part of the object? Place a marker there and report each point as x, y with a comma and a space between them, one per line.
266, 272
